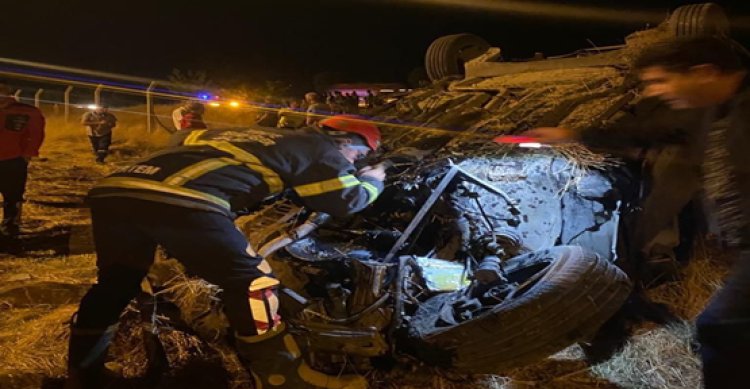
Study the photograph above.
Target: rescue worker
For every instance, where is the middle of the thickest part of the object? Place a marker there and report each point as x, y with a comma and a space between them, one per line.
21, 136
99, 124
708, 73
189, 116
316, 109
184, 199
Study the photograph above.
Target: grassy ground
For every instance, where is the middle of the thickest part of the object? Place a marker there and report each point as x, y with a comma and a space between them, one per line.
39, 291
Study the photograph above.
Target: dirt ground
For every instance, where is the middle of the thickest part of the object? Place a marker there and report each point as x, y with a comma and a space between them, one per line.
39, 291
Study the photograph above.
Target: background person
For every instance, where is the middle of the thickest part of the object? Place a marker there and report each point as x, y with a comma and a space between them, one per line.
709, 73
99, 124
21, 136
189, 116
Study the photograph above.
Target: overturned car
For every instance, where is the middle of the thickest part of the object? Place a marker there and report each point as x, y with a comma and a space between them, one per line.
478, 257
475, 266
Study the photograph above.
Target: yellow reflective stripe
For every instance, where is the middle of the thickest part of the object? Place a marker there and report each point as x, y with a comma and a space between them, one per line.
291, 346
269, 176
198, 169
138, 183
263, 283
326, 186
259, 338
372, 190
193, 137
258, 311
316, 378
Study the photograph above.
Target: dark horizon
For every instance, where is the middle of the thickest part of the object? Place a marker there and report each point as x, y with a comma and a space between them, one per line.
292, 41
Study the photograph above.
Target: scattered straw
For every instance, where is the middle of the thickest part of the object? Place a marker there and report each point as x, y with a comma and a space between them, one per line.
37, 345
658, 358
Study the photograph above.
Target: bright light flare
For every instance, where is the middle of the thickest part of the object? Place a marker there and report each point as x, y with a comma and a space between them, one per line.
214, 104
530, 145
234, 104
92, 106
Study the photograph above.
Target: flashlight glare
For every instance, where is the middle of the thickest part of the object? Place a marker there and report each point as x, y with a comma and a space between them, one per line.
530, 145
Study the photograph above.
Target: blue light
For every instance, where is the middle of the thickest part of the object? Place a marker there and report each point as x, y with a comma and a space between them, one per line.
204, 96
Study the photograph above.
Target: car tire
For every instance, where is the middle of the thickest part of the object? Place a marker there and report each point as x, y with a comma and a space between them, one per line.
446, 55
577, 293
699, 19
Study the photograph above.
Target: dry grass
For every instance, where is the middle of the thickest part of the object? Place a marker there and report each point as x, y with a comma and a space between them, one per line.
655, 358
35, 341
699, 280
33, 337
663, 357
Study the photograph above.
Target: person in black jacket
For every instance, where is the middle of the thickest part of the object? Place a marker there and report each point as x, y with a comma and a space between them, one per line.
185, 199
708, 73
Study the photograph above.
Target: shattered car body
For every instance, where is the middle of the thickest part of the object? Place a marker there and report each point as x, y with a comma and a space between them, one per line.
478, 257
462, 255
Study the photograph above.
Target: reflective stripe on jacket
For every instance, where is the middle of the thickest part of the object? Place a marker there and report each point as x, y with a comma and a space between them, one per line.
231, 170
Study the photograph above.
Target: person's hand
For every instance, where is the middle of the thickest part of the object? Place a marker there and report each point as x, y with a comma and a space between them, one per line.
552, 134
377, 172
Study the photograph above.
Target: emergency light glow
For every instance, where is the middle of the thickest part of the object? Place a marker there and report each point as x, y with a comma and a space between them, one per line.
234, 104
214, 104
204, 96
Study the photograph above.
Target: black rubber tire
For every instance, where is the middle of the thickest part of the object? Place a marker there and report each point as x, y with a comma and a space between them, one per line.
699, 19
446, 55
568, 304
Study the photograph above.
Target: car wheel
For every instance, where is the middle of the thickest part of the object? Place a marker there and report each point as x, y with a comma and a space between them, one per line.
566, 294
699, 19
446, 55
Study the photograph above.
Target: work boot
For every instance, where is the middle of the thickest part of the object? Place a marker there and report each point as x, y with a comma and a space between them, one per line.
275, 361
86, 354
9, 240
9, 228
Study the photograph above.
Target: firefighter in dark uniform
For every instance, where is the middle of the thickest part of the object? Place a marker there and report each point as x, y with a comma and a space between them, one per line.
184, 199
21, 136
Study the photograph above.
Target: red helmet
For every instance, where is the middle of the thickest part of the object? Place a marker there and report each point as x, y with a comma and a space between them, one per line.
354, 125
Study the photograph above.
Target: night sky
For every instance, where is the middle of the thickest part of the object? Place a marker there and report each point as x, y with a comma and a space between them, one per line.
252, 41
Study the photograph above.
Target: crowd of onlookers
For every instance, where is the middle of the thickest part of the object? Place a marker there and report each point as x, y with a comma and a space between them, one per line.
291, 113
287, 113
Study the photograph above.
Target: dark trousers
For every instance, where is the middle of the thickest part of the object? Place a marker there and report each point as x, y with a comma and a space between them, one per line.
724, 330
126, 233
100, 145
13, 173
